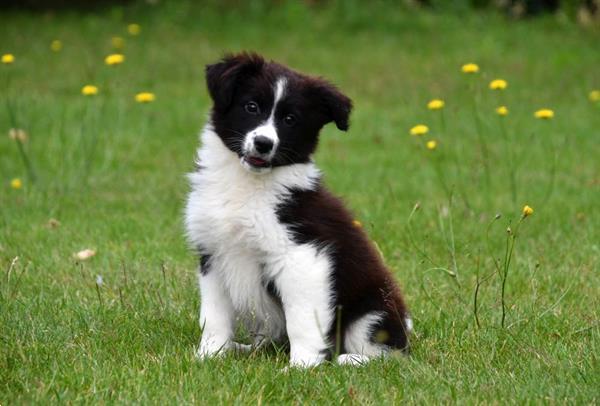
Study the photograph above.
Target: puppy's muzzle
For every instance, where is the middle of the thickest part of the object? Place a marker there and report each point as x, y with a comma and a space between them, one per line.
263, 145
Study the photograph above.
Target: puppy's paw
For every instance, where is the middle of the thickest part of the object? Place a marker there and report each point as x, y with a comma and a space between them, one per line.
355, 360
205, 353
211, 349
306, 361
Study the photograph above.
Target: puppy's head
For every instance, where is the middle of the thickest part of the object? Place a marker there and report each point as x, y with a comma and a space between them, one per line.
268, 114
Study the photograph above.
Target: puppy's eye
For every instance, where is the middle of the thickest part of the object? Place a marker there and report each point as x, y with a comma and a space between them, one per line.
252, 108
289, 120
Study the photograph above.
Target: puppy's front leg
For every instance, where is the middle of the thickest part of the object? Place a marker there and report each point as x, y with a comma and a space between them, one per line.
305, 289
216, 313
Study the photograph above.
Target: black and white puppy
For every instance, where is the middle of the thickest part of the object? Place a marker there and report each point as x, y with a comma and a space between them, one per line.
279, 253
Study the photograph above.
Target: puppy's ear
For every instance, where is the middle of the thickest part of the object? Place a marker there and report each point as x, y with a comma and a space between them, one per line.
335, 105
222, 77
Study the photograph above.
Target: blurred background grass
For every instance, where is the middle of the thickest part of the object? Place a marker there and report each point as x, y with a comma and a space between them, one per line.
111, 171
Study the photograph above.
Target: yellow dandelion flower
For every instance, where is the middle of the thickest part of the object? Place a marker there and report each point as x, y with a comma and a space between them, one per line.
16, 183
527, 211
435, 104
117, 42
431, 145
145, 97
56, 45
470, 68
594, 95
498, 84
502, 110
114, 59
7, 59
89, 90
545, 114
134, 29
419, 129
356, 223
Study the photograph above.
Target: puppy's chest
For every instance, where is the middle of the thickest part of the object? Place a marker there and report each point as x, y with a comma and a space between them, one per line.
235, 215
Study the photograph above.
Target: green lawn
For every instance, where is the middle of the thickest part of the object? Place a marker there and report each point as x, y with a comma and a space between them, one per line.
111, 172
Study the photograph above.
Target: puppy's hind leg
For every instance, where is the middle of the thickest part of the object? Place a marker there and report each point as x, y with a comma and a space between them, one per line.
360, 340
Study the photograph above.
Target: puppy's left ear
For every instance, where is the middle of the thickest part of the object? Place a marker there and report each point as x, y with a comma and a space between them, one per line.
334, 104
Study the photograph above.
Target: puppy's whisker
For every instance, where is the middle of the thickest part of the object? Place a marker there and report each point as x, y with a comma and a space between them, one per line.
289, 155
235, 131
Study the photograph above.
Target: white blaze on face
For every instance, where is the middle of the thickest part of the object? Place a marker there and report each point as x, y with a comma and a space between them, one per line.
267, 129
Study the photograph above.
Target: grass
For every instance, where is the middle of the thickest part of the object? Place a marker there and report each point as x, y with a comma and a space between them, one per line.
111, 171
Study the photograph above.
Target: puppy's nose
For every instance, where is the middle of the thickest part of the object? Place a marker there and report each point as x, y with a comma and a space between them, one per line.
263, 144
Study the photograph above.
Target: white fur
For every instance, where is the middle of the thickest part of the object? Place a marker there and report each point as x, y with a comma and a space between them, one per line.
279, 92
216, 316
409, 324
357, 340
230, 214
353, 359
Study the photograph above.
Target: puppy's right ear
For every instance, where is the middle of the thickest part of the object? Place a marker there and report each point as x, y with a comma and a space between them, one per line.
222, 77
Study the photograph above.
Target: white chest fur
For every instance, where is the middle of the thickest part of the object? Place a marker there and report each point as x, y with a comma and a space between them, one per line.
231, 215
231, 207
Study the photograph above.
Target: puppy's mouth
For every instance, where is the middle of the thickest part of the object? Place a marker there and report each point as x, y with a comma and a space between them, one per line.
257, 162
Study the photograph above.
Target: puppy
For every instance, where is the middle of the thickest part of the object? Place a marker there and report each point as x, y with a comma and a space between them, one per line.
279, 253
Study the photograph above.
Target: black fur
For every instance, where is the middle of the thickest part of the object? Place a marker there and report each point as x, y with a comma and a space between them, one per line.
362, 283
239, 79
204, 264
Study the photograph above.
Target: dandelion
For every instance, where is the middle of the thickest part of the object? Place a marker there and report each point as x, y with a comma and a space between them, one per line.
84, 254
145, 97
89, 90
17, 134
502, 111
114, 59
431, 145
435, 104
16, 183
356, 223
498, 84
527, 211
470, 68
7, 59
117, 42
134, 29
545, 114
594, 95
99, 280
419, 129
56, 45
